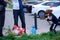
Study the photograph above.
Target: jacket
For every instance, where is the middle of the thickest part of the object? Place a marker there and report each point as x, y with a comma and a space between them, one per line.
54, 19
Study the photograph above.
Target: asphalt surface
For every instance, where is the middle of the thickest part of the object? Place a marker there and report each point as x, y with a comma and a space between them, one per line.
42, 25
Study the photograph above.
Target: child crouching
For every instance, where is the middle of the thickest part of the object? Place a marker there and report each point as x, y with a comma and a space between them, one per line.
52, 17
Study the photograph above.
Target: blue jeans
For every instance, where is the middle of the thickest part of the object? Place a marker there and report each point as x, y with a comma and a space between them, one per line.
19, 13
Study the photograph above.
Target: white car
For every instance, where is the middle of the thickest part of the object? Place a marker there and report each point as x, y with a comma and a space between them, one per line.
41, 8
27, 6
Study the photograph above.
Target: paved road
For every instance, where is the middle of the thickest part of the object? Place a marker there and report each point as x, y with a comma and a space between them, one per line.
43, 26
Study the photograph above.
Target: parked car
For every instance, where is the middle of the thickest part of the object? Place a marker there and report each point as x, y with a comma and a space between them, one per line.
27, 6
41, 8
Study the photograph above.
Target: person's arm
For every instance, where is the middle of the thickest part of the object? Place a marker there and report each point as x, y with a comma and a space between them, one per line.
49, 20
8, 2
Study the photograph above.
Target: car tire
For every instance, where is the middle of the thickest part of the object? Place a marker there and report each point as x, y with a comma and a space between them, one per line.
41, 14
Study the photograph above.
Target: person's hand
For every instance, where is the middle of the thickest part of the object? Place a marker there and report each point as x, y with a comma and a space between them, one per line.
8, 2
47, 19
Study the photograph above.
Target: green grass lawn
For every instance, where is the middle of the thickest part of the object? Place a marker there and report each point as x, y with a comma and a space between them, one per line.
43, 36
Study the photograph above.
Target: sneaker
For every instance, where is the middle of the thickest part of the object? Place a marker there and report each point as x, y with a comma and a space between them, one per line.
54, 31
24, 30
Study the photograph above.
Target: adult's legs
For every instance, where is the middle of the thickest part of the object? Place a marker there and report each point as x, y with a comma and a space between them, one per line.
2, 20
22, 18
15, 15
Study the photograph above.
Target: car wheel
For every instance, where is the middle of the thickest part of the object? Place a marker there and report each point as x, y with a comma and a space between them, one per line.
41, 14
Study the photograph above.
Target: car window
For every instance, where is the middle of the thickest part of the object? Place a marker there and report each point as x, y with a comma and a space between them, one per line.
33, 3
55, 4
47, 3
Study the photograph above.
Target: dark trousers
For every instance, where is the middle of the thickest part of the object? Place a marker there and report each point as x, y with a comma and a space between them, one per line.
53, 27
2, 19
19, 13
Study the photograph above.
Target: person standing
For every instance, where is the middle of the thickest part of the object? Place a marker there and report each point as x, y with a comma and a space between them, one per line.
2, 15
18, 11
